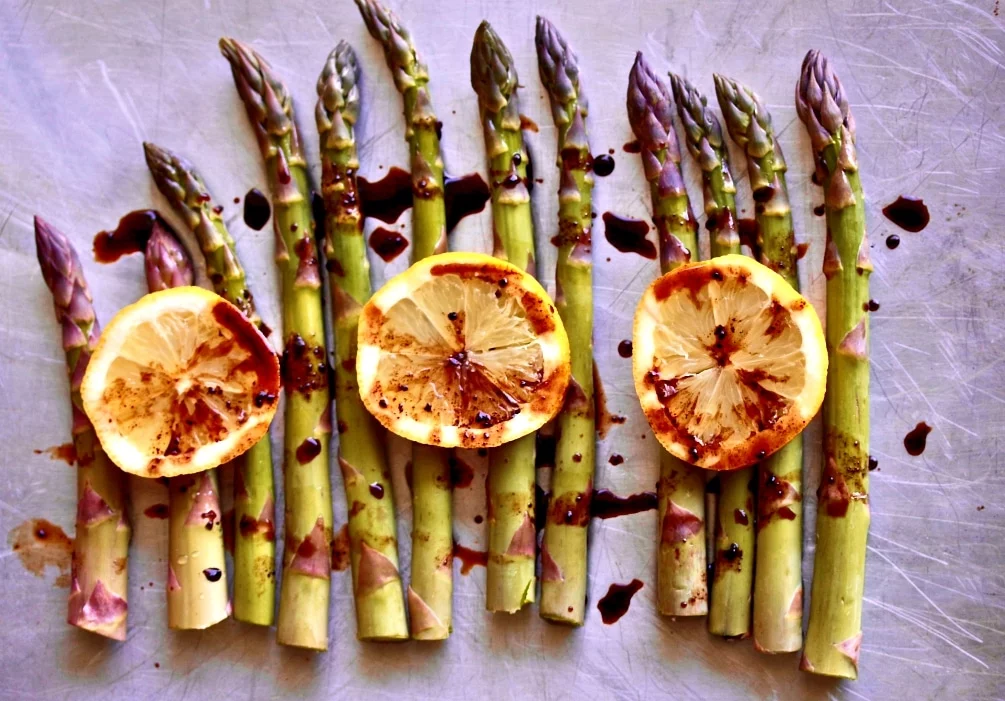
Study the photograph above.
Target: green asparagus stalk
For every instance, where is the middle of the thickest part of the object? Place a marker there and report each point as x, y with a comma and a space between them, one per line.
834, 634
778, 583
430, 594
197, 576
254, 490
681, 577
99, 576
703, 137
373, 539
512, 536
564, 547
729, 612
305, 590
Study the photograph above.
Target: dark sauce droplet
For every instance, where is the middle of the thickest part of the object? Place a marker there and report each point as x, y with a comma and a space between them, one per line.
256, 209
632, 147
129, 236
871, 306
873, 463
156, 511
377, 490
628, 235
616, 459
387, 244
625, 349
915, 441
616, 601
606, 504
603, 165
909, 213
892, 241
820, 210
749, 232
308, 450
212, 574
387, 198
464, 195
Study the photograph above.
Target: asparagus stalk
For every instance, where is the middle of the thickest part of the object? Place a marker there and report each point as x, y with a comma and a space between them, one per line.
564, 547
834, 634
197, 576
373, 539
681, 577
512, 536
305, 590
430, 594
254, 490
729, 613
778, 584
99, 576
703, 137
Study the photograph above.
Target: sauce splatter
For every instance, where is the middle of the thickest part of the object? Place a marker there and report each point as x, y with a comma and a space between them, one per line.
909, 213
749, 232
257, 209
66, 452
916, 439
628, 235
387, 244
632, 146
528, 124
603, 165
39, 544
605, 419
892, 241
470, 558
625, 349
616, 459
129, 236
340, 550
607, 504
387, 198
464, 195
461, 473
156, 511
616, 601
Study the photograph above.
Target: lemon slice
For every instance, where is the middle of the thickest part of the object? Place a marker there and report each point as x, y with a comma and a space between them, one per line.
180, 382
462, 349
729, 361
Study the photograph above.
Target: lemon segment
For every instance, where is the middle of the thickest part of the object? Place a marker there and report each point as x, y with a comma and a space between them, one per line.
180, 382
729, 361
462, 349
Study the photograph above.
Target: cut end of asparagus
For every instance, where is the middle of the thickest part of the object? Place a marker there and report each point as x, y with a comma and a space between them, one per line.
701, 126
493, 73
166, 263
399, 50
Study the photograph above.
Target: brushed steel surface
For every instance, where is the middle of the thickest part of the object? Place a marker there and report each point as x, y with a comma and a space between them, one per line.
83, 83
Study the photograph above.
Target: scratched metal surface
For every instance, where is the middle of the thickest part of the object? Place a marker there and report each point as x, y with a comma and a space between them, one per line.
84, 83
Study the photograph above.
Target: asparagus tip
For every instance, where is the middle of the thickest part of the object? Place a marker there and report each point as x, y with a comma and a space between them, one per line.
166, 262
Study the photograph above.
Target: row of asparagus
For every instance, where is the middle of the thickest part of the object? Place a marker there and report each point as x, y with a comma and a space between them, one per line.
686, 502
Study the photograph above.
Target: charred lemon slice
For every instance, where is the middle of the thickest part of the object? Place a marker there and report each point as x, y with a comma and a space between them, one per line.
180, 382
729, 362
462, 349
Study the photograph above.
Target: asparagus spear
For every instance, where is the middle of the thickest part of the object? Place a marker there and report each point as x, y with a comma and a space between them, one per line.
512, 537
563, 549
778, 584
305, 590
254, 491
99, 576
703, 137
430, 594
373, 540
681, 577
834, 634
729, 613
197, 576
